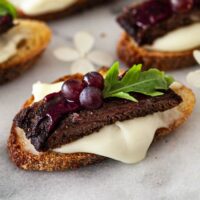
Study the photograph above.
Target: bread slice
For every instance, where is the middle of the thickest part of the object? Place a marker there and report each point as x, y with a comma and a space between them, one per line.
130, 53
79, 6
29, 50
51, 161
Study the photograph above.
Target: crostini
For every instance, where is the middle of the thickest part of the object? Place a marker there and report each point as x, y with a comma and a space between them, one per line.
21, 42
51, 9
83, 119
160, 33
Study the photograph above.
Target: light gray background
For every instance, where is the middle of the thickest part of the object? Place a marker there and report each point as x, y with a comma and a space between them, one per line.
171, 170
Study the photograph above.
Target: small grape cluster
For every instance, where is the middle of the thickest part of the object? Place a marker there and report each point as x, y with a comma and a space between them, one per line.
87, 92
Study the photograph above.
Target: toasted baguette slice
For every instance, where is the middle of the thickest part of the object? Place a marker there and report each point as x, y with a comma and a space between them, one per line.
130, 53
29, 50
79, 6
51, 161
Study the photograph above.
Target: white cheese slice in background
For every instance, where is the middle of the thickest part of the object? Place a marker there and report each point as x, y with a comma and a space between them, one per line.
181, 39
37, 7
9, 42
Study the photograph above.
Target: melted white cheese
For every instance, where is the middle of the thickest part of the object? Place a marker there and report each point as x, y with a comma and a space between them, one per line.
181, 39
40, 90
126, 141
176, 85
36, 7
9, 42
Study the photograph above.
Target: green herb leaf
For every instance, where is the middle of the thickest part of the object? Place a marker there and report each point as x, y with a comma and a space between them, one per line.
124, 95
149, 82
7, 8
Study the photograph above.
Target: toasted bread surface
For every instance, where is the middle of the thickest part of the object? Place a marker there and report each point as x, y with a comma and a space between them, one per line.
79, 6
28, 51
130, 53
52, 161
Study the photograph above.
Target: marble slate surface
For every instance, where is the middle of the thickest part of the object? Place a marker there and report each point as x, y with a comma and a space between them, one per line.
170, 171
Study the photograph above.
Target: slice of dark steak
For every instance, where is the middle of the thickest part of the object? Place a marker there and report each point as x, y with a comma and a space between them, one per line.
158, 26
76, 125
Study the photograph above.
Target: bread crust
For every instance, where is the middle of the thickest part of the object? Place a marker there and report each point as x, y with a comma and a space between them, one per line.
130, 53
52, 161
79, 6
28, 51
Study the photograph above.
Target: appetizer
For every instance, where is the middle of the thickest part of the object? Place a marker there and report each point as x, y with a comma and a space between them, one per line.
51, 9
83, 119
160, 33
21, 42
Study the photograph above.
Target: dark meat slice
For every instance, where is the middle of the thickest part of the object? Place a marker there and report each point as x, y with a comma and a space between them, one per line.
41, 119
158, 25
84, 122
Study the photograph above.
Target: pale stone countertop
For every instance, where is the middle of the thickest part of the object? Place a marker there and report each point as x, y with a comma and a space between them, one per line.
171, 170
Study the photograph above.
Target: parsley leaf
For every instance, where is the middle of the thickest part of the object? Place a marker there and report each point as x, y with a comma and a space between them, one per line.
149, 82
7, 8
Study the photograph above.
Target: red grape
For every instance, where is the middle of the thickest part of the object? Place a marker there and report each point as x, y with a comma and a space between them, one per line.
91, 98
94, 79
182, 5
71, 89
